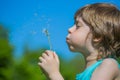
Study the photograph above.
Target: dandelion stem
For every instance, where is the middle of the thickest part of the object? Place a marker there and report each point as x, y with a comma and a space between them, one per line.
48, 36
50, 45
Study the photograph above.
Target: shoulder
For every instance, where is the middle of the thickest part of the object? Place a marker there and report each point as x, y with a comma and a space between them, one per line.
111, 66
110, 63
107, 70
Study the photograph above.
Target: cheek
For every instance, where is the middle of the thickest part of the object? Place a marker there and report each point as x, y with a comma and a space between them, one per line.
77, 40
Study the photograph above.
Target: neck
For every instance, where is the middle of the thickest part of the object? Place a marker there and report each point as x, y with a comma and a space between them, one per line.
90, 59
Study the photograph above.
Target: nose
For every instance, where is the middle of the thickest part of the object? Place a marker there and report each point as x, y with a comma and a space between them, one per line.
70, 30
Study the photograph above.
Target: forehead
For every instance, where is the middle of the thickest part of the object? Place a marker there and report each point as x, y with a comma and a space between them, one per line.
79, 20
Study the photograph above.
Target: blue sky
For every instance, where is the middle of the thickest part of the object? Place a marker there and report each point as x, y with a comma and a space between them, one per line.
27, 18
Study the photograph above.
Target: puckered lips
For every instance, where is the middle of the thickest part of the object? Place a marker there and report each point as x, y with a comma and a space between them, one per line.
67, 39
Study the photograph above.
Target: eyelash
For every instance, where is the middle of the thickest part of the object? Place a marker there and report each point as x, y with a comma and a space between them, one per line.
77, 27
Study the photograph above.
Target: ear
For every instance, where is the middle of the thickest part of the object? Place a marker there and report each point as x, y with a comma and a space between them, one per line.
97, 39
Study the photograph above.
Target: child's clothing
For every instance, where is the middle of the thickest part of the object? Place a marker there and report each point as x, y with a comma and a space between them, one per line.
87, 73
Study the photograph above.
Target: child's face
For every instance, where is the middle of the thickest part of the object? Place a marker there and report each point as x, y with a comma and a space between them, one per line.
77, 38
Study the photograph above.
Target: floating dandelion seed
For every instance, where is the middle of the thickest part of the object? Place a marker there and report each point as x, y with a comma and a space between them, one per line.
35, 14
45, 31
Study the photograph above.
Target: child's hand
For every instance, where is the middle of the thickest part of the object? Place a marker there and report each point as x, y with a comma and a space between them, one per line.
49, 63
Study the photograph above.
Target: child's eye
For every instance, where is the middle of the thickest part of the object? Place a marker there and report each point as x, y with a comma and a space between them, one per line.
77, 27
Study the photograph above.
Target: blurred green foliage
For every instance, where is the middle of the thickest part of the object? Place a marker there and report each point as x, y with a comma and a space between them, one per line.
6, 57
26, 68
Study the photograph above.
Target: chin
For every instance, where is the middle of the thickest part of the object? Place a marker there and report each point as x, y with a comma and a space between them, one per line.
72, 49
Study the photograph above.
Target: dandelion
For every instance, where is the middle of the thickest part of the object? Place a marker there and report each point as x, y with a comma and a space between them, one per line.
45, 31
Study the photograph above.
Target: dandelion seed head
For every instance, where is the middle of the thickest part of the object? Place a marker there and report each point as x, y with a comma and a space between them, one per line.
45, 31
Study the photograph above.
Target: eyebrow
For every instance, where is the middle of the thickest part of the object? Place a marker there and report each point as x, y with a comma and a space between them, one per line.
78, 22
